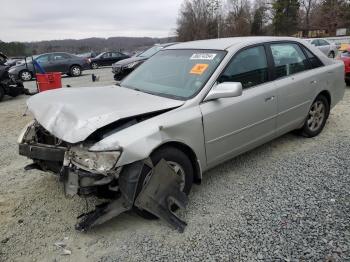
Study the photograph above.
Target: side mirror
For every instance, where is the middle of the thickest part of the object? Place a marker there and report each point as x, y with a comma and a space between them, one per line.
226, 89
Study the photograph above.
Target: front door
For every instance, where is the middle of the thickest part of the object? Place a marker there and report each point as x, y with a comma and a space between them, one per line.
235, 125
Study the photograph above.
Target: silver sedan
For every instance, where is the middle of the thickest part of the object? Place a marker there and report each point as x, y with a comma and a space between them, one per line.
189, 108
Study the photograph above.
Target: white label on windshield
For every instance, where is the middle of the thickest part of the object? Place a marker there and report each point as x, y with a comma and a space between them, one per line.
203, 56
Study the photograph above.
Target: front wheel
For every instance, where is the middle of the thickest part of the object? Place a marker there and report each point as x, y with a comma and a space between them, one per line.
94, 65
316, 118
75, 70
25, 75
179, 162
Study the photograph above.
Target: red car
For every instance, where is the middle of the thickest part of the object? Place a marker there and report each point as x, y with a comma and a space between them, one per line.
345, 56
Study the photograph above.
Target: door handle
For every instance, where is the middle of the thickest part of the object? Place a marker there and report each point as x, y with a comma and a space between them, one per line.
313, 82
270, 98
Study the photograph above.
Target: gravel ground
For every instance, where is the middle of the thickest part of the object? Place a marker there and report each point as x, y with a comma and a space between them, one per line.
288, 200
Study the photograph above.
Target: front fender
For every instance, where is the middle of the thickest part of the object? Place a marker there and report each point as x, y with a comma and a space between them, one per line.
183, 125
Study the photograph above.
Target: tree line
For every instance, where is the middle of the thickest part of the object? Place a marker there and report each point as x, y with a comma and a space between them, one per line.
203, 19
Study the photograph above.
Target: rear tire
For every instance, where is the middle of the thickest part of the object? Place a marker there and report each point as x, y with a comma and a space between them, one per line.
317, 117
173, 156
75, 70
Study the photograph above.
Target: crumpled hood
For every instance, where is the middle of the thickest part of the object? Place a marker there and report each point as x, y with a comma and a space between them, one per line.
126, 61
72, 114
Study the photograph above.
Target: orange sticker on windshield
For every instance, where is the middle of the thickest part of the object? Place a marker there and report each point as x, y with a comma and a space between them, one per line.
199, 69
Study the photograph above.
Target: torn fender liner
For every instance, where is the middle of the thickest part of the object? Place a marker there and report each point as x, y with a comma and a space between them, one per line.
128, 181
161, 191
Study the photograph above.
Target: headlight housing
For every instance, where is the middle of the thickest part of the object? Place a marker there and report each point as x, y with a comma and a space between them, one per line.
97, 162
132, 65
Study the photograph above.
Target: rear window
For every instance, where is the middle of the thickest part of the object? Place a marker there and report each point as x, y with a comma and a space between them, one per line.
314, 60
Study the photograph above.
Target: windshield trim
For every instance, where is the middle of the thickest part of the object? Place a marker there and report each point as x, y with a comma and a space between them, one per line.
225, 52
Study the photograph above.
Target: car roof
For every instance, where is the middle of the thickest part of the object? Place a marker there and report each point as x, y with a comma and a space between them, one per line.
226, 43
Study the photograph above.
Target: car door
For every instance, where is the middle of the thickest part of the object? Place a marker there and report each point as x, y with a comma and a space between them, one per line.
237, 124
105, 59
59, 62
293, 82
44, 62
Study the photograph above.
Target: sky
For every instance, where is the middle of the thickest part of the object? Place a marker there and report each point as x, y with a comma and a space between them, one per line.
34, 20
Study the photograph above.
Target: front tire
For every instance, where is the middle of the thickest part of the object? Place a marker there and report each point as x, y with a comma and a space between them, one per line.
317, 117
181, 164
25, 75
94, 65
75, 70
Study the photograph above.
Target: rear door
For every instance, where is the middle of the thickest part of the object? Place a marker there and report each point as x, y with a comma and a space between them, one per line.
294, 83
60, 62
237, 124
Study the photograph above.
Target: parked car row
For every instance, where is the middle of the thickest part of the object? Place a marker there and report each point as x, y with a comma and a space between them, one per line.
123, 68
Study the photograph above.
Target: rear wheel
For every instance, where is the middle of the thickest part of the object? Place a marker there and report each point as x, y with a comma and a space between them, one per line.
75, 70
316, 118
25, 75
180, 163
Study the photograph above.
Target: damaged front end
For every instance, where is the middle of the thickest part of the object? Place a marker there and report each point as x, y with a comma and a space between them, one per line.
90, 173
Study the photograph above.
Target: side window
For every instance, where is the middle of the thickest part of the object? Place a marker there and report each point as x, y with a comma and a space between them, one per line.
114, 55
315, 42
57, 57
323, 42
314, 60
106, 55
249, 67
288, 58
43, 59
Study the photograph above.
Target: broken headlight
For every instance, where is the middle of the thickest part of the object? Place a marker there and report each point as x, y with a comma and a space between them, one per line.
99, 162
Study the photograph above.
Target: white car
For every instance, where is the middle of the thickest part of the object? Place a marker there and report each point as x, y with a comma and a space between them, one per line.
188, 108
326, 47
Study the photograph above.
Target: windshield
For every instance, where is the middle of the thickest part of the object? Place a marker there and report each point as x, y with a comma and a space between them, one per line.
178, 74
150, 52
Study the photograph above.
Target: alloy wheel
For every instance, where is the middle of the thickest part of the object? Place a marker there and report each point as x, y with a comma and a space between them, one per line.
316, 116
26, 76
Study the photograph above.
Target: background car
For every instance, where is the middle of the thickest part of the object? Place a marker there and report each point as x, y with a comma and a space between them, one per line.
65, 63
88, 54
345, 57
107, 59
123, 68
14, 60
329, 49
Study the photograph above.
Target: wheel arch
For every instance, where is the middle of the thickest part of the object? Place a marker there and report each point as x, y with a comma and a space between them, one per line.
25, 69
191, 155
327, 95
